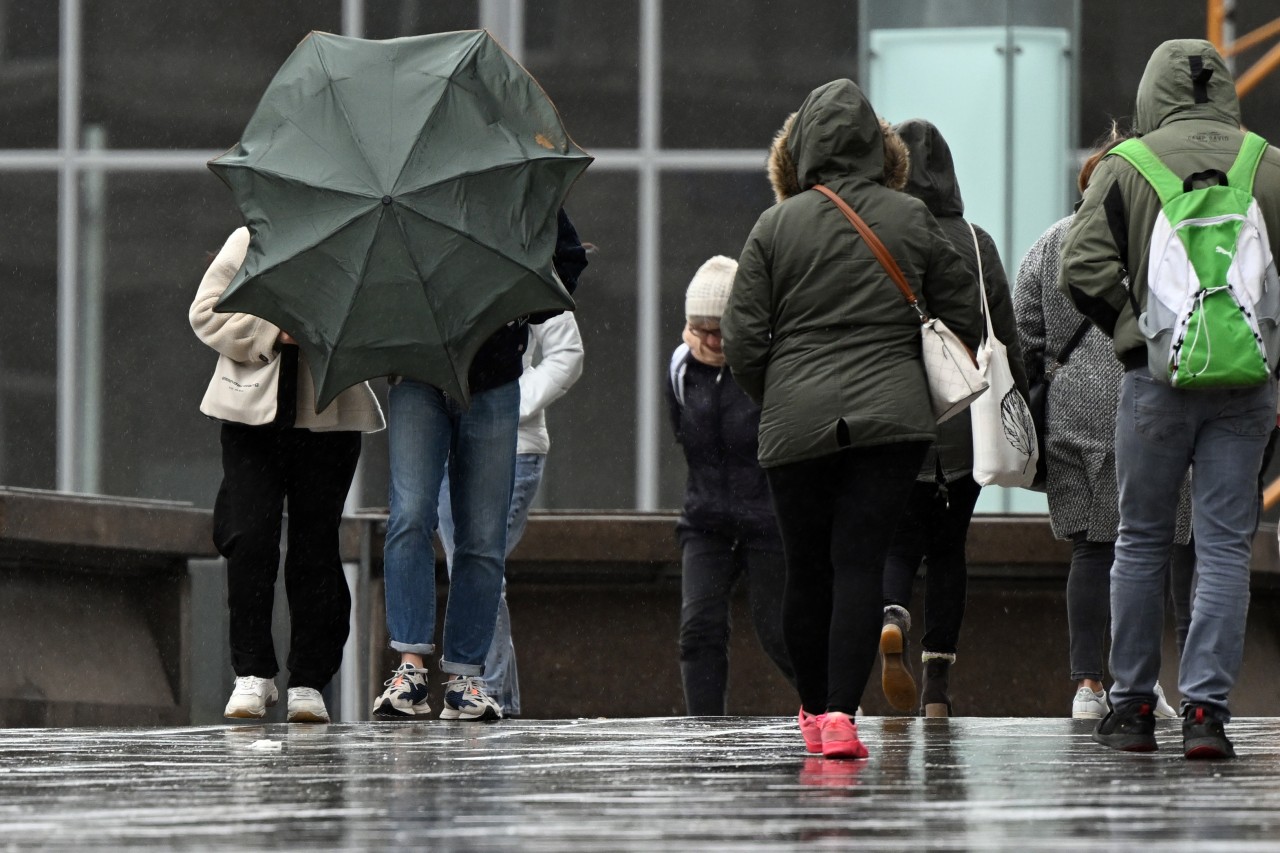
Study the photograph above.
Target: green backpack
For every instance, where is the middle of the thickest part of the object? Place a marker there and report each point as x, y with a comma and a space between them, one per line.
1213, 305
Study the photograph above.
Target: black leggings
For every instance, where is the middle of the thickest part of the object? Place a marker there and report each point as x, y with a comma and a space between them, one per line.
934, 528
837, 516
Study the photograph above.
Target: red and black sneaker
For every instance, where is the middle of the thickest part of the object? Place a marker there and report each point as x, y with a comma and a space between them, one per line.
1203, 735
1129, 728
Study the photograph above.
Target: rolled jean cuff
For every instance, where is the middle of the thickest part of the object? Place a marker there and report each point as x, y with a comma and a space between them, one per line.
1079, 675
414, 648
461, 668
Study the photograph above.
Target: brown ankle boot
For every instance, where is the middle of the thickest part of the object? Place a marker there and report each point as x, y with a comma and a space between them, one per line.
895, 667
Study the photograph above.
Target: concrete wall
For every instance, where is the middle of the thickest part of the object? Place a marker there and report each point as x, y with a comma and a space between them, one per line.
113, 613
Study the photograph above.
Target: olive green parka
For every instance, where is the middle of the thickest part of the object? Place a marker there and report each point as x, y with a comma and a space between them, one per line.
1188, 115
815, 330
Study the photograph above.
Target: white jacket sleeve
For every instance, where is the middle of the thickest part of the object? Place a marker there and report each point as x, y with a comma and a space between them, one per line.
561, 364
240, 337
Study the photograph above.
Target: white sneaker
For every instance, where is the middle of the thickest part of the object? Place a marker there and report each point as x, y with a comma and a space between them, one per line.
306, 705
1089, 704
1164, 711
251, 698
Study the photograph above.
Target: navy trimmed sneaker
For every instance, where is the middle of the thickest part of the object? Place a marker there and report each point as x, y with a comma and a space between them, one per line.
1130, 728
1203, 735
405, 696
465, 699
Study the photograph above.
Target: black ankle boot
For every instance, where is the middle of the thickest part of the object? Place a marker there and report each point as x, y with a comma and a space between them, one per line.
935, 696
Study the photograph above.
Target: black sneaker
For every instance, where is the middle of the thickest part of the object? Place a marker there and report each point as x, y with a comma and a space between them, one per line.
1130, 728
1203, 735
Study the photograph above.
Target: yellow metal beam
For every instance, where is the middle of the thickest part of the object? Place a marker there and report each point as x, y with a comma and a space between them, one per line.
1216, 15
1264, 66
1249, 40
1216, 19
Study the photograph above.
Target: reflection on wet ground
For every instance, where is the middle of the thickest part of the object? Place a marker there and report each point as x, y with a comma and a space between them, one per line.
645, 784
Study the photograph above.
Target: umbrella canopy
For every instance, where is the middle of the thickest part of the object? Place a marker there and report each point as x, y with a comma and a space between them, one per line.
401, 196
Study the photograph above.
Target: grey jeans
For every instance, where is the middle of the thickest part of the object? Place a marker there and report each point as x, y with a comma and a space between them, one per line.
1160, 430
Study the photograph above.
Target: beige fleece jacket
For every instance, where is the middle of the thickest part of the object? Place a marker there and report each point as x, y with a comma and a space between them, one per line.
248, 339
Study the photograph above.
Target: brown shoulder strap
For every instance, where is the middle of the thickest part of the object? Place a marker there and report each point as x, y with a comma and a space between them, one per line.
877, 248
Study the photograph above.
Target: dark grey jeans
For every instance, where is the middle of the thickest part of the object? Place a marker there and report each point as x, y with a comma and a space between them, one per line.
1159, 431
712, 566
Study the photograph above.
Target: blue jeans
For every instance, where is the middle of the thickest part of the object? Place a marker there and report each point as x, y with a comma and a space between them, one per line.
427, 432
501, 680
1160, 430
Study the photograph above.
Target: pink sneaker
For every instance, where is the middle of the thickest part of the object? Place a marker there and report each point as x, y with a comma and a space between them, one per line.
811, 728
840, 737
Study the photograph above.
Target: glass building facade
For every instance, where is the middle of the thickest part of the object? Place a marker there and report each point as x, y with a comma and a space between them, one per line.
112, 110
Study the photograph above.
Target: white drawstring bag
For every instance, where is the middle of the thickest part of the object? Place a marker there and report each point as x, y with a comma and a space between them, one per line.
1004, 434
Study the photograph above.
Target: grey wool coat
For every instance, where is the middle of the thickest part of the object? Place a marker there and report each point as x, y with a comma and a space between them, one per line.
1081, 409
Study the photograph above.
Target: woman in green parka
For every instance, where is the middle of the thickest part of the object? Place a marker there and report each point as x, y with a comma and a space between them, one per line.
818, 334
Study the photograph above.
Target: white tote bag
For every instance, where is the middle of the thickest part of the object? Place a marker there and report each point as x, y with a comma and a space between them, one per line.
1004, 434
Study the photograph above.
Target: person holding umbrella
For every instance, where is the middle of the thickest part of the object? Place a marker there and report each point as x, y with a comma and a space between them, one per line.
429, 431
403, 198
276, 447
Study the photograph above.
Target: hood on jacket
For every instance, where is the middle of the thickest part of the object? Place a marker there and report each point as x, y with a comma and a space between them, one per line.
835, 134
1185, 79
932, 174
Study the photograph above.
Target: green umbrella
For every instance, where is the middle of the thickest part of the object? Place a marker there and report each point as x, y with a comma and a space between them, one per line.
401, 196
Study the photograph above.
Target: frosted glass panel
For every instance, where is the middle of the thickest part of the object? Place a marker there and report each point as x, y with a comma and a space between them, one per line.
954, 78
1043, 170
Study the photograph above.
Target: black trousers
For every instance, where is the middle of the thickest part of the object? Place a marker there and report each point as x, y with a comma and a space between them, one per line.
261, 469
934, 528
712, 565
837, 515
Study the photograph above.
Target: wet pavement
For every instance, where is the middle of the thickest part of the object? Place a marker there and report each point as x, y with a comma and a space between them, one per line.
737, 783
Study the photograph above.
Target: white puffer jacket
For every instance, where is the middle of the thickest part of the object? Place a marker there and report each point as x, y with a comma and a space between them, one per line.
251, 340
543, 383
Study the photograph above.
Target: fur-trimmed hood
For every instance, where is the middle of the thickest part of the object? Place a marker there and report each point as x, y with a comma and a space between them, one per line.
835, 134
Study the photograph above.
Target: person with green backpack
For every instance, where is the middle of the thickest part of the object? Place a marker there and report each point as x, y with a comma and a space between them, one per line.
1190, 212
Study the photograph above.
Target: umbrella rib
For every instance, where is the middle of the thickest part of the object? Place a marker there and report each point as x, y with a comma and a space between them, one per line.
463, 234
471, 51
342, 108
320, 239
497, 167
460, 380
471, 240
355, 293
301, 181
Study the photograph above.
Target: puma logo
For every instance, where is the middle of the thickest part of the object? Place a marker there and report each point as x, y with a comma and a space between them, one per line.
1224, 251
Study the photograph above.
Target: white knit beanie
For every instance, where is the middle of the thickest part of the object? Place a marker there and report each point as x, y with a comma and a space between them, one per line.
708, 292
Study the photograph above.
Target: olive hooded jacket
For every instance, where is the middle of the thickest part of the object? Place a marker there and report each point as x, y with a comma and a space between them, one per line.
1188, 115
815, 330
